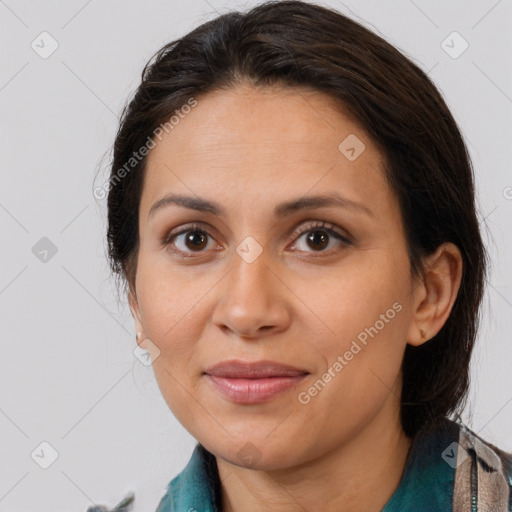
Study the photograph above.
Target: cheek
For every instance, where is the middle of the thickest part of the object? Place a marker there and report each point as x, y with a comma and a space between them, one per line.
171, 320
170, 309
357, 305
366, 316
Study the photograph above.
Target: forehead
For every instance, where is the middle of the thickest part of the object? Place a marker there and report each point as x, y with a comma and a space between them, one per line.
267, 142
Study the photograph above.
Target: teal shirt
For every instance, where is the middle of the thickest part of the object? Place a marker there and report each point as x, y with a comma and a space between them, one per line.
426, 485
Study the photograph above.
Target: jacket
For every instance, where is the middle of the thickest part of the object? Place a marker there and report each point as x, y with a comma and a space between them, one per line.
449, 468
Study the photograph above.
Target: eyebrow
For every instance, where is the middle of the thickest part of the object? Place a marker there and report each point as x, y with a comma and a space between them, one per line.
281, 210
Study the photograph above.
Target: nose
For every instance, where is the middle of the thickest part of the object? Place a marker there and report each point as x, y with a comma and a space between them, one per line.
253, 299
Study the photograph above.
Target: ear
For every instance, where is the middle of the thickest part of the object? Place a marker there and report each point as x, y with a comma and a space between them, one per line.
435, 295
134, 308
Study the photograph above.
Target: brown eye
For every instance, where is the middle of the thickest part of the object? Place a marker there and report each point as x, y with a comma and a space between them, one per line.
318, 239
196, 240
190, 239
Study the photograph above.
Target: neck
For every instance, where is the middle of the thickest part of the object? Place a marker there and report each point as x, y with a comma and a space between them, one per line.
360, 474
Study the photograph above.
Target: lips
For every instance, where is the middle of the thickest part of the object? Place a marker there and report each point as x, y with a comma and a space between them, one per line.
236, 369
251, 383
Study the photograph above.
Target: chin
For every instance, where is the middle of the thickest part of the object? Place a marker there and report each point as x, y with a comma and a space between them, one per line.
258, 454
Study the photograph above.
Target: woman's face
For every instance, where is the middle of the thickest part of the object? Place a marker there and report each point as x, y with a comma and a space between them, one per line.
256, 281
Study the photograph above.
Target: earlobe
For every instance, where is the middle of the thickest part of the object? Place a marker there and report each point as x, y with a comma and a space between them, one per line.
134, 308
437, 293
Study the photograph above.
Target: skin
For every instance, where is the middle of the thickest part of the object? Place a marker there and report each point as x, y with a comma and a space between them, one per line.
249, 149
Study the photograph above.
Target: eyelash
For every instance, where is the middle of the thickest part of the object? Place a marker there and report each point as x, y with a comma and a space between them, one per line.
329, 228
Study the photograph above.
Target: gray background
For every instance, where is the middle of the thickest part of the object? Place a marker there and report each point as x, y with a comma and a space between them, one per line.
68, 375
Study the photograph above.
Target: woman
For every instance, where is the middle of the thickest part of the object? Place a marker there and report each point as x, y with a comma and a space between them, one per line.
291, 209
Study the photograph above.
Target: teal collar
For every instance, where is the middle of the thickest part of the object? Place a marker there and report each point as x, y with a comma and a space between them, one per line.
196, 488
428, 480
426, 485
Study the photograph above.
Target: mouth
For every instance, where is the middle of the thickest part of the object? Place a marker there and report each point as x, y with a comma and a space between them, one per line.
253, 382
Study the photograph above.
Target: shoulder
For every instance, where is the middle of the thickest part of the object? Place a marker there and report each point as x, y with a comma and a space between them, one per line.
506, 461
505, 458
493, 467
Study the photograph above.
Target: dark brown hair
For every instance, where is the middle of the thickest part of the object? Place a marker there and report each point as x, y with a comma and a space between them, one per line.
298, 44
